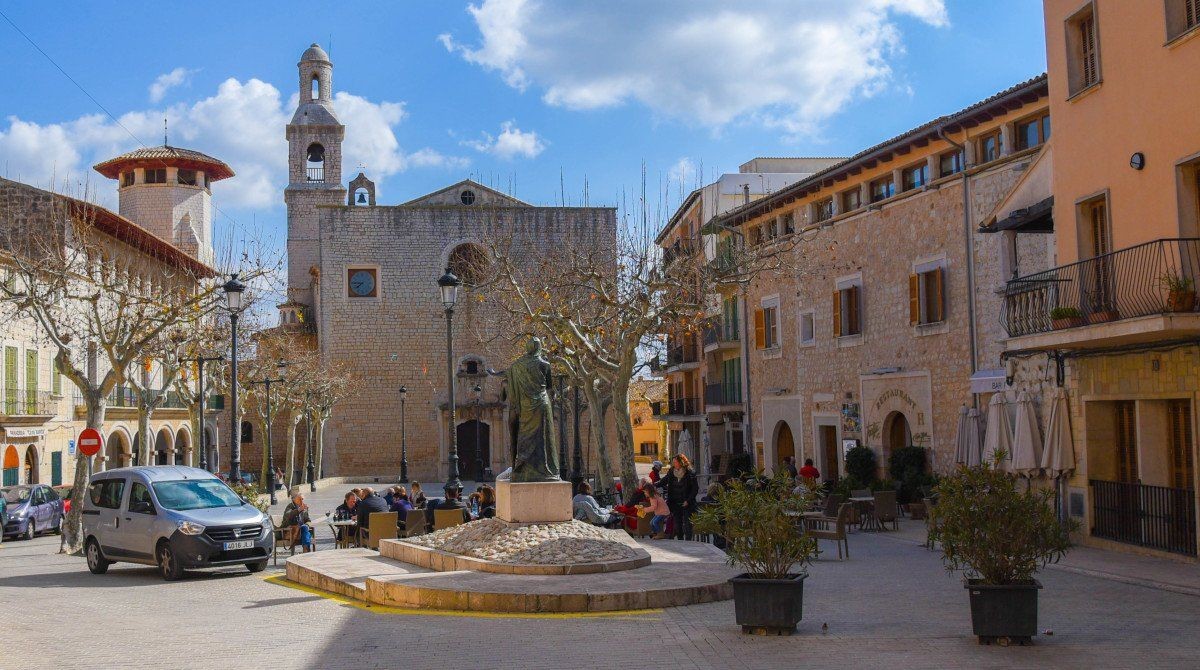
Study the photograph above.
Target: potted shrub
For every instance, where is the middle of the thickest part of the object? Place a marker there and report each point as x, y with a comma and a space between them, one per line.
768, 597
1065, 317
1103, 315
862, 465
999, 536
1181, 293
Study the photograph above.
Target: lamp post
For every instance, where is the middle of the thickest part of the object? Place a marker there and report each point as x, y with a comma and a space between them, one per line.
448, 286
233, 302
266, 382
403, 443
478, 391
308, 447
200, 360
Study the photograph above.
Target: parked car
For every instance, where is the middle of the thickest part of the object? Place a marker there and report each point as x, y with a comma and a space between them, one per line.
64, 492
173, 517
32, 509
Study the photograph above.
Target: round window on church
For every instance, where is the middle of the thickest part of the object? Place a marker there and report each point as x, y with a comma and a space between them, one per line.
467, 197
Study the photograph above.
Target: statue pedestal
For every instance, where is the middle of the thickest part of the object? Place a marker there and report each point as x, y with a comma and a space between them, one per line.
533, 502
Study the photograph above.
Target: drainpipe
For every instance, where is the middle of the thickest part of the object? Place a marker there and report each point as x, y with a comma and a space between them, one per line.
968, 236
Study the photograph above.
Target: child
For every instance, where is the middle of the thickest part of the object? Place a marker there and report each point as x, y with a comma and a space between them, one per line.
657, 505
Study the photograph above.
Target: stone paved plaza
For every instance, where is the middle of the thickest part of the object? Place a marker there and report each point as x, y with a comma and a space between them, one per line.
890, 606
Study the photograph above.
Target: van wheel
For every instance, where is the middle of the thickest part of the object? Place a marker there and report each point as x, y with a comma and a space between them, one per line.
95, 560
257, 567
30, 531
168, 567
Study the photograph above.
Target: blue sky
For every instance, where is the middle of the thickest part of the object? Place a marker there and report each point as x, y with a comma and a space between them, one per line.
506, 91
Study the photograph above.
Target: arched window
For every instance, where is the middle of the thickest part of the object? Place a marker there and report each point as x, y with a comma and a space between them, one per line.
470, 263
315, 91
472, 366
315, 164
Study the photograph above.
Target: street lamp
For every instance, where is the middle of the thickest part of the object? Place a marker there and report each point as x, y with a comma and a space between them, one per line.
478, 391
403, 443
448, 285
233, 302
266, 382
312, 466
200, 360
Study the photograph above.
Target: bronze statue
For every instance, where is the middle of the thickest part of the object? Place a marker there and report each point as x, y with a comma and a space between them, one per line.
531, 423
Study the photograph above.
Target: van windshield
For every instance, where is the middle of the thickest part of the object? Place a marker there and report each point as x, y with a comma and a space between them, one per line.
188, 494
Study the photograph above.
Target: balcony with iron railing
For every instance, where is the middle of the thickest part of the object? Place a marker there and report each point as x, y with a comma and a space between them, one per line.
718, 395
28, 403
1141, 293
676, 409
720, 334
683, 355
682, 248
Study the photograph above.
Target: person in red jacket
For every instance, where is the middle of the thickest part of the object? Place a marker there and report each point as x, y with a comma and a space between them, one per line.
809, 471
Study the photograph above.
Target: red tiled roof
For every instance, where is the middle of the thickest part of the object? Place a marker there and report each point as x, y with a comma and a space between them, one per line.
162, 157
121, 228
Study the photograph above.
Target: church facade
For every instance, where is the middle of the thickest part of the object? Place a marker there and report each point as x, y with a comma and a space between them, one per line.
362, 279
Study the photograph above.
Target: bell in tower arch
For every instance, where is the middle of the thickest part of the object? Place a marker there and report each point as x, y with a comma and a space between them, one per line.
316, 153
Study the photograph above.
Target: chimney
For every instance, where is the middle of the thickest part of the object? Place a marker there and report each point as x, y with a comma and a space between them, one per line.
745, 194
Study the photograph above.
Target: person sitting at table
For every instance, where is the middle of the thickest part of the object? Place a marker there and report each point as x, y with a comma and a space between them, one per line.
656, 505
629, 509
345, 512
400, 502
585, 508
487, 502
453, 500
297, 524
417, 496
371, 502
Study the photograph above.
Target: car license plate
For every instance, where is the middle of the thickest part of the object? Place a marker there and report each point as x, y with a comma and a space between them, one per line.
240, 544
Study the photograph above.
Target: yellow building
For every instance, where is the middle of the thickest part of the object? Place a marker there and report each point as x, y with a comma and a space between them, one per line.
649, 436
1115, 324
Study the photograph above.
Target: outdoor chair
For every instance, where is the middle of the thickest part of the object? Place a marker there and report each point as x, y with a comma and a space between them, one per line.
447, 518
829, 511
837, 533
886, 509
380, 526
414, 523
282, 536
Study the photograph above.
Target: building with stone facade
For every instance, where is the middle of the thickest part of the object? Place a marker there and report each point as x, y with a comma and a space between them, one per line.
1114, 325
362, 276
880, 323
164, 226
703, 370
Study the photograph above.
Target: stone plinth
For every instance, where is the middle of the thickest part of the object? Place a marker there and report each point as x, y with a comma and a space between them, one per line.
533, 502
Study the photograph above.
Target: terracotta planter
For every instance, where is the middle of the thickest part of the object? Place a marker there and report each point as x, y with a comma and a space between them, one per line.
1181, 301
1066, 322
1104, 316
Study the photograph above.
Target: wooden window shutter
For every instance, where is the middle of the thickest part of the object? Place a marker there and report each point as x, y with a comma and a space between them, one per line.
914, 299
1179, 414
760, 329
1127, 465
854, 318
837, 313
938, 294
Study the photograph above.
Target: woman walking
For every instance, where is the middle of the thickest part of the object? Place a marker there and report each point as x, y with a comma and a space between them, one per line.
681, 487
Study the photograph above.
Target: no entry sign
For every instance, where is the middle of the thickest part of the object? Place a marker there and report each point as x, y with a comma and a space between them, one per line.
90, 442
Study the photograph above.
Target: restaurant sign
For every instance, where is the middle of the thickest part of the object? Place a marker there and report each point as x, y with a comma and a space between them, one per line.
11, 433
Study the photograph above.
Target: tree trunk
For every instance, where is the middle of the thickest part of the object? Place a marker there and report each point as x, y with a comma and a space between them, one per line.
290, 461
597, 410
72, 526
320, 447
143, 431
620, 402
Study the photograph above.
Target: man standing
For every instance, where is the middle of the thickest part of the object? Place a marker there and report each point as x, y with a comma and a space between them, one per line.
809, 471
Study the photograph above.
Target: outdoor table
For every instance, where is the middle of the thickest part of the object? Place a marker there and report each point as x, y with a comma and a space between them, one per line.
343, 532
866, 510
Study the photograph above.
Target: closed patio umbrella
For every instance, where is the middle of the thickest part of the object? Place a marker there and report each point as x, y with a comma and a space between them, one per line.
1058, 458
1027, 441
962, 449
998, 436
975, 435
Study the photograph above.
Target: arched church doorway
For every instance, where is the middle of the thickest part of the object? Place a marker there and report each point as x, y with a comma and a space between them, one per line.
896, 432
32, 472
785, 445
474, 448
12, 466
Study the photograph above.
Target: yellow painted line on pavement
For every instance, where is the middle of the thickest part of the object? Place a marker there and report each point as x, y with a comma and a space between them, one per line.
282, 580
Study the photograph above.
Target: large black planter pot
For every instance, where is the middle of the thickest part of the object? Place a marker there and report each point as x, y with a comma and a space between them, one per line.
768, 606
1004, 613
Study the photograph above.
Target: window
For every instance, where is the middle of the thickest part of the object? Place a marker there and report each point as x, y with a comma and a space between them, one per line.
362, 282
156, 176
823, 210
1083, 50
138, 493
772, 229
731, 381
916, 176
1033, 132
950, 163
756, 235
766, 326
186, 177
789, 223
989, 147
127, 179
247, 432
1183, 16
31, 380
648, 449
882, 189
927, 296
1126, 434
467, 197
1179, 416
847, 310
107, 493
207, 182
852, 199
729, 319
1095, 219
808, 331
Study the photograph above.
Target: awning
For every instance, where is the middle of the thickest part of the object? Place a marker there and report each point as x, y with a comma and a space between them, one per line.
988, 381
1036, 218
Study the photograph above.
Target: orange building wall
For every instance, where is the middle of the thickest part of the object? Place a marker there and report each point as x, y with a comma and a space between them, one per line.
1147, 100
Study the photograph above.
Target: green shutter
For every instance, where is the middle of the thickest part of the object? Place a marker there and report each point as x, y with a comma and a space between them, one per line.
10, 380
31, 380
55, 378
55, 468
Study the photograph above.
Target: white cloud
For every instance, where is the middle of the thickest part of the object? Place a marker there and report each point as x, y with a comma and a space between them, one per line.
786, 63
168, 81
683, 173
241, 124
510, 143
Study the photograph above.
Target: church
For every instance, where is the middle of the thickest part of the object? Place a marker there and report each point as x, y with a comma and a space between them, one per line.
362, 288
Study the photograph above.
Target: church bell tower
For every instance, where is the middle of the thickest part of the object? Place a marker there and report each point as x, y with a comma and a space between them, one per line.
314, 169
